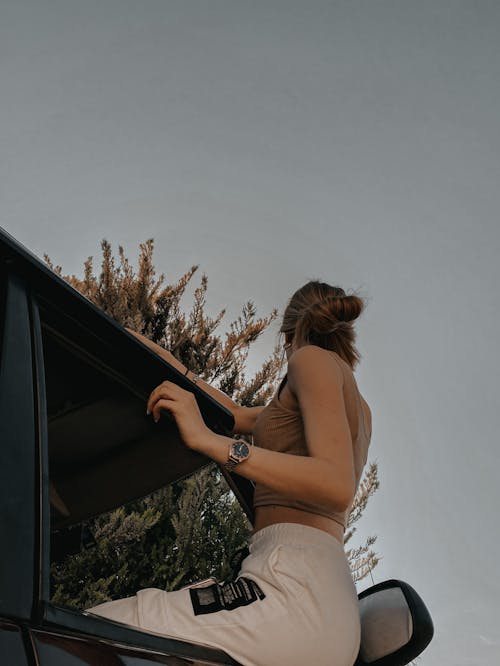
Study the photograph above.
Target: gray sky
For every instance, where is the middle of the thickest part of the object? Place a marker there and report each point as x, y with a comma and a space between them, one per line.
271, 142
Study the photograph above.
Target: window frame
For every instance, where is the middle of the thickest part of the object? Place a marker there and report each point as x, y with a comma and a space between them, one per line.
18, 470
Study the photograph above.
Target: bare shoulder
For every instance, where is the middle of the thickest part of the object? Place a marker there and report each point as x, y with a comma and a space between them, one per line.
314, 365
313, 356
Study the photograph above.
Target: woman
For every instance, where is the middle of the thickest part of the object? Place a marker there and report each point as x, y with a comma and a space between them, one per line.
294, 601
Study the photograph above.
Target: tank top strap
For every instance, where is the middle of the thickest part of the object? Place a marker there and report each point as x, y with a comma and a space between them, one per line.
282, 385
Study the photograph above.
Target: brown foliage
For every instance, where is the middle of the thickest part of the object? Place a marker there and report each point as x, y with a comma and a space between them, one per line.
140, 301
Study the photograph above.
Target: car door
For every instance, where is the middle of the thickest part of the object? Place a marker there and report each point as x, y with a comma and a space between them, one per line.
74, 443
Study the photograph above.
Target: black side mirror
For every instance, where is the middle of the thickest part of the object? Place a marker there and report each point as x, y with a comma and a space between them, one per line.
395, 624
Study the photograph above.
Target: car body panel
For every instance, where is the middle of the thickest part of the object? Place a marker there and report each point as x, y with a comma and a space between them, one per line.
13, 650
18, 468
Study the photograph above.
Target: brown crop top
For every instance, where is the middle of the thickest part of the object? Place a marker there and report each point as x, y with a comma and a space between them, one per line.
279, 428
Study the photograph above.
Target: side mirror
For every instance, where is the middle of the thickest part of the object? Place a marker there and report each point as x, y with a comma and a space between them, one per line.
395, 624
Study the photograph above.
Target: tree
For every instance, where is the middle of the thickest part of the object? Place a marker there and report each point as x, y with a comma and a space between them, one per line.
362, 560
189, 530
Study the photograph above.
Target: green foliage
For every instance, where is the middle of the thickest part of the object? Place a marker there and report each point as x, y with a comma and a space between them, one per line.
191, 529
176, 535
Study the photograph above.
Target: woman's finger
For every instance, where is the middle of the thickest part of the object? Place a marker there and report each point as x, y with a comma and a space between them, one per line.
164, 389
176, 398
163, 403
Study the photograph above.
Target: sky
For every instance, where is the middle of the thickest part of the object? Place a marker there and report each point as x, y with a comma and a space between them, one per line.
274, 142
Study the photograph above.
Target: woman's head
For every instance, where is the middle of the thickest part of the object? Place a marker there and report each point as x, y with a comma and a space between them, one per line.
322, 315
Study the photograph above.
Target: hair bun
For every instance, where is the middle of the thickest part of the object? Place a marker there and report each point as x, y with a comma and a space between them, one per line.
321, 317
345, 308
321, 314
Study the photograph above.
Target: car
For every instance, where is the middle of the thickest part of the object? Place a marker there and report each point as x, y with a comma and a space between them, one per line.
75, 443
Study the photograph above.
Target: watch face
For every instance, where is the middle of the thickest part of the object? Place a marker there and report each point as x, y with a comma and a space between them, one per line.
240, 449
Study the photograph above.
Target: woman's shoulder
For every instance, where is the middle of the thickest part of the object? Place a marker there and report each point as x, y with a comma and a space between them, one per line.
314, 353
315, 361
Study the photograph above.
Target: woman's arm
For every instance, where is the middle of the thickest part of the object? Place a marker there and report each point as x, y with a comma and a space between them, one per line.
326, 476
244, 417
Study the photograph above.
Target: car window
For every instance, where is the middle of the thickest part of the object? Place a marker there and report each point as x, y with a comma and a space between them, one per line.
116, 503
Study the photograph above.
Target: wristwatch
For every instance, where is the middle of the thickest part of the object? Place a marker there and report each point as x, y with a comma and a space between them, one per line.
238, 452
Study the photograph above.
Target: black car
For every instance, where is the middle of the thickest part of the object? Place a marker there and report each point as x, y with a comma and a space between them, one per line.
75, 443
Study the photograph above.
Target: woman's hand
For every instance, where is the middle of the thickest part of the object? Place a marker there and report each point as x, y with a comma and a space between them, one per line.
184, 408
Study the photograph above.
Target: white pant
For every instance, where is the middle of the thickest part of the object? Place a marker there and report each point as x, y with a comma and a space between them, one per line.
294, 603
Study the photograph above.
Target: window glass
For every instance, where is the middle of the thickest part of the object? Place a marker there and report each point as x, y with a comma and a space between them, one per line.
115, 527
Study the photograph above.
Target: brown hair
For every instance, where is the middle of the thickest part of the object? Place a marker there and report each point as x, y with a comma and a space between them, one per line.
322, 315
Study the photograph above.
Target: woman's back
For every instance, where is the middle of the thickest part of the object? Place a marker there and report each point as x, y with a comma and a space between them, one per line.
280, 428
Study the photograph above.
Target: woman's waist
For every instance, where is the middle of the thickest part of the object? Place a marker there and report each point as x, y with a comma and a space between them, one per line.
272, 514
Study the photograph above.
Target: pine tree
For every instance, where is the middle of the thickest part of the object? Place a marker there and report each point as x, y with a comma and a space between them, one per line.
189, 530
